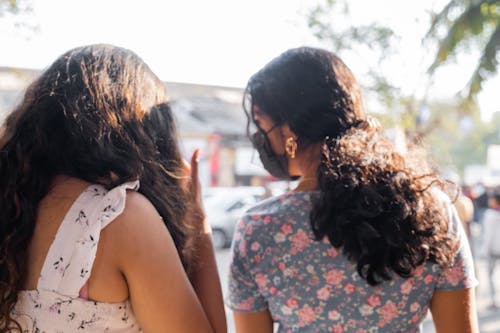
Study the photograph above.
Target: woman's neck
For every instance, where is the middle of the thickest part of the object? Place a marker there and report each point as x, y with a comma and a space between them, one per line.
307, 184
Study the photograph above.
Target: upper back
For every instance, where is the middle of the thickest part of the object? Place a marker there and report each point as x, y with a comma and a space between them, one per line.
313, 286
69, 255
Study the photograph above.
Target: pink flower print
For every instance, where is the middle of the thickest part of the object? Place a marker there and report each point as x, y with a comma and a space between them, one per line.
365, 310
334, 315
349, 288
334, 276
273, 290
414, 307
242, 248
314, 281
286, 228
261, 280
281, 266
373, 300
415, 318
337, 328
389, 311
292, 303
249, 229
279, 237
300, 240
306, 316
257, 259
255, 246
351, 323
428, 279
407, 286
418, 271
332, 252
291, 272
247, 304
286, 310
454, 274
267, 219
324, 293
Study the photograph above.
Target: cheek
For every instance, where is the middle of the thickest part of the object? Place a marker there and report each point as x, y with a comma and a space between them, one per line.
276, 142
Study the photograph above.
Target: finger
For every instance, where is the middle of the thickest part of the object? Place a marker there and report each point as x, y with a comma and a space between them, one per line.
194, 166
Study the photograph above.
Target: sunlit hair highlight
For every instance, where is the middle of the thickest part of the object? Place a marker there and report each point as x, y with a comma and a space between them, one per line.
381, 207
94, 115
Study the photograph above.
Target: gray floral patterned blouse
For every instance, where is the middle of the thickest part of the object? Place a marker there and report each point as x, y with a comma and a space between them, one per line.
310, 286
56, 305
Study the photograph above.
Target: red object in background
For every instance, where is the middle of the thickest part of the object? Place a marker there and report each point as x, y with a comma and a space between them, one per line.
214, 155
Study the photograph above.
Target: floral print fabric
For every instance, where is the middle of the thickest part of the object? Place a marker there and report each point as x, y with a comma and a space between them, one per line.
55, 306
309, 286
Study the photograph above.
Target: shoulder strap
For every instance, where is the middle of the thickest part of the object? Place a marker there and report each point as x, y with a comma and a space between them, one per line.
71, 255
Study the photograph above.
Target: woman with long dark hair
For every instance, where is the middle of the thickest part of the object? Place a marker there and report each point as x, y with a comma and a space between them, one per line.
101, 227
367, 242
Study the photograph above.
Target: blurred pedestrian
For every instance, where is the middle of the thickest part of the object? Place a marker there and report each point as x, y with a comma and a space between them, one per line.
367, 242
101, 225
465, 210
491, 241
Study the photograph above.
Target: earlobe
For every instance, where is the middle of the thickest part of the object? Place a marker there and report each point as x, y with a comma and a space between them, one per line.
291, 146
290, 142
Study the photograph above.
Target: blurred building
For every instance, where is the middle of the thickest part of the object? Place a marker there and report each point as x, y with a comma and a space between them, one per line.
209, 118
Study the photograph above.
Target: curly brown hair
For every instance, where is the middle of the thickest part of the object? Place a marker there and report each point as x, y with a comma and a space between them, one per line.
376, 204
98, 113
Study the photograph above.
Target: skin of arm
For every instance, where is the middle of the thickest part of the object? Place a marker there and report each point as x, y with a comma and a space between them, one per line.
163, 297
251, 322
204, 276
159, 289
454, 311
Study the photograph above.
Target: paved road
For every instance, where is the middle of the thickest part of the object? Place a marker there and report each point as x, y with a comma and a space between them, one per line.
489, 321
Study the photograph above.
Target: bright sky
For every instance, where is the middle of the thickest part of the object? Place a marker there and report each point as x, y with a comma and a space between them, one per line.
223, 42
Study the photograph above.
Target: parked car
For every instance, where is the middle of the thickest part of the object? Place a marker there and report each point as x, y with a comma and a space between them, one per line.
224, 206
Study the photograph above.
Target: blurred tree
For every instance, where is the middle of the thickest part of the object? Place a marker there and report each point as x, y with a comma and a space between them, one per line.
463, 142
468, 23
452, 131
329, 22
19, 14
10, 6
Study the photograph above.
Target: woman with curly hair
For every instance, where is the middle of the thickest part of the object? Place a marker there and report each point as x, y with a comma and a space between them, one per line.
101, 227
367, 242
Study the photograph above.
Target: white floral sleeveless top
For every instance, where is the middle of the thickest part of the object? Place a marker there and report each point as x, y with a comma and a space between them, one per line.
56, 306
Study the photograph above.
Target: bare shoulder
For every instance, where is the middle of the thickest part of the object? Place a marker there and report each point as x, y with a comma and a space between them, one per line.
138, 229
138, 212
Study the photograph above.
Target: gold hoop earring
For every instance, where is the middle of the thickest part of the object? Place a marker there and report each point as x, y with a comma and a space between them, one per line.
291, 147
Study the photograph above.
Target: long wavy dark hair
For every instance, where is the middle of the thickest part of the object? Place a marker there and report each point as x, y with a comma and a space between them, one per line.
98, 113
378, 205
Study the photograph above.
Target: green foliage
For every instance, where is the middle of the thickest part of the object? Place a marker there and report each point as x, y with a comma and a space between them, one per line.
325, 22
478, 22
11, 6
15, 7
20, 14
330, 23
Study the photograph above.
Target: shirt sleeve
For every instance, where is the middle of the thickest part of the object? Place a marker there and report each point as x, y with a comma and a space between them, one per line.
243, 293
460, 275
